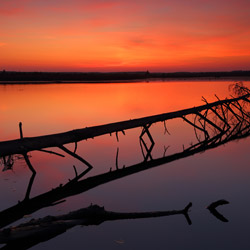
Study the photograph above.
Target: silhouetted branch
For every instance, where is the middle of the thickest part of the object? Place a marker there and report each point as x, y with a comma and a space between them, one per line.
116, 134
116, 159
50, 152
75, 171
32, 177
20, 130
208, 121
75, 156
165, 150
212, 208
195, 126
238, 107
234, 114
185, 212
142, 142
165, 127
75, 147
38, 230
196, 134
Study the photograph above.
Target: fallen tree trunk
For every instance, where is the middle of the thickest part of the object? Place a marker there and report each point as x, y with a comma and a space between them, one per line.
27, 144
74, 186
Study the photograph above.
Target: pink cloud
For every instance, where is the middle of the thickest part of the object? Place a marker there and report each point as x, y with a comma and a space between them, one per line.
78, 6
11, 11
101, 5
14, 7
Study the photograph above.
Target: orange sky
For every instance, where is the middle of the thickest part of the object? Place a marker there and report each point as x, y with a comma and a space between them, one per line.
118, 35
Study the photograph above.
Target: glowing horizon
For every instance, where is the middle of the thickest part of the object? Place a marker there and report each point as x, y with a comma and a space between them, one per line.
114, 35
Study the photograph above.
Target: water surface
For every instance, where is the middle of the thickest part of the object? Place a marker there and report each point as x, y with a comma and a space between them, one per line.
220, 173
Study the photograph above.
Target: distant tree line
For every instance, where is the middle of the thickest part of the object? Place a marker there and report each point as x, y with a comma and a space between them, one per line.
111, 76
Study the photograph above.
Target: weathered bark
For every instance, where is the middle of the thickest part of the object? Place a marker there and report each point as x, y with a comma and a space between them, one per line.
27, 144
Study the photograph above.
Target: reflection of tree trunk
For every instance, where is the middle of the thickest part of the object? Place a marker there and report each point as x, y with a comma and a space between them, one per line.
28, 144
50, 226
77, 186
145, 130
32, 177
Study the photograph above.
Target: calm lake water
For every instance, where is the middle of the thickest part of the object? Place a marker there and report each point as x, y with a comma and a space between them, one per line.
220, 173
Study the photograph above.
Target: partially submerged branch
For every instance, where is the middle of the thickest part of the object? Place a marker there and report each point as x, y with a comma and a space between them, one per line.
212, 208
45, 228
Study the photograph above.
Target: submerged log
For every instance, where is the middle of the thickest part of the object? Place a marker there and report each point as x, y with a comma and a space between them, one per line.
27, 144
50, 226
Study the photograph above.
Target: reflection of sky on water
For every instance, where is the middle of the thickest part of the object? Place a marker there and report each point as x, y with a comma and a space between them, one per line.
55, 108
221, 173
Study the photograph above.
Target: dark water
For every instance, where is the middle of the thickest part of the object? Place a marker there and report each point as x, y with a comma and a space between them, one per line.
219, 173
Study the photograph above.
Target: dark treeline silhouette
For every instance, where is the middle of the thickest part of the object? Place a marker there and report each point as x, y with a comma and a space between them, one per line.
15, 76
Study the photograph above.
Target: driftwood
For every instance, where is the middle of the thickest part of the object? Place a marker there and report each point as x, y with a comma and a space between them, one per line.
28, 144
33, 232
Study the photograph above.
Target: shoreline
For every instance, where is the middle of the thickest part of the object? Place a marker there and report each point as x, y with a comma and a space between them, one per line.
14, 77
145, 80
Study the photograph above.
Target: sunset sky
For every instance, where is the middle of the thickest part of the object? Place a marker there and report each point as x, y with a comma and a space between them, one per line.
119, 35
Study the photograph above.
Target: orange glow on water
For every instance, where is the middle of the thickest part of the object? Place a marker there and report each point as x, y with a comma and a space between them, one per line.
54, 108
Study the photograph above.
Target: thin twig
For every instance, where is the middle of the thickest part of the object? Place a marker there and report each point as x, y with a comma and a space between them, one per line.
75, 147
116, 159
75, 156
20, 130
75, 171
165, 127
50, 152
116, 134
